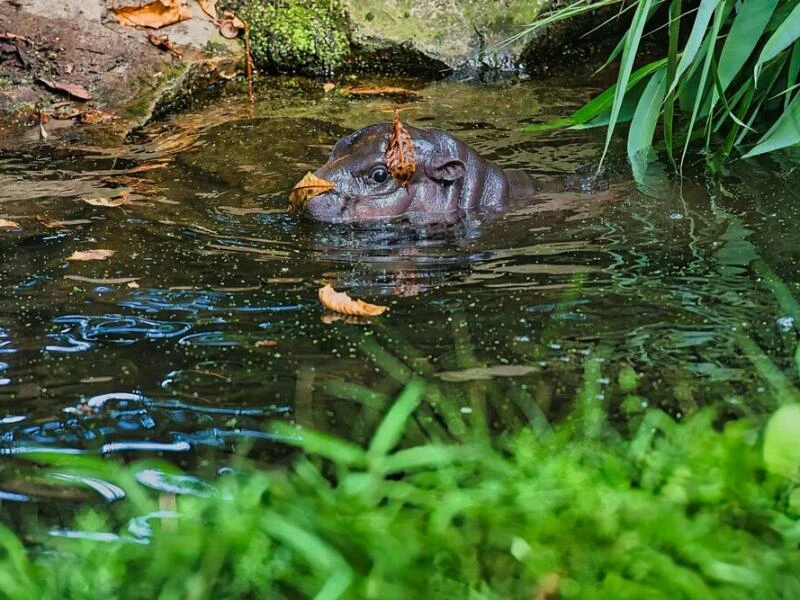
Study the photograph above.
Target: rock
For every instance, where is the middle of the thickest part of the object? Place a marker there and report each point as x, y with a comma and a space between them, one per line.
438, 35
79, 43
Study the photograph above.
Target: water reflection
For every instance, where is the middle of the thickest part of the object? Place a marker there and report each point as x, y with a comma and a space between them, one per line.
205, 324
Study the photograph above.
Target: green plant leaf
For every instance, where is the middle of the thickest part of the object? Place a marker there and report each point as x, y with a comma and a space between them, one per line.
785, 132
743, 36
791, 76
643, 125
701, 21
786, 34
672, 65
709, 57
320, 444
394, 423
632, 38
781, 451
598, 105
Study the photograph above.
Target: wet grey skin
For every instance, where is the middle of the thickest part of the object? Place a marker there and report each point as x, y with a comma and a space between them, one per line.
450, 181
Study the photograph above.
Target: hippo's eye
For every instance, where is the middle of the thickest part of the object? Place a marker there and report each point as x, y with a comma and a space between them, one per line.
379, 174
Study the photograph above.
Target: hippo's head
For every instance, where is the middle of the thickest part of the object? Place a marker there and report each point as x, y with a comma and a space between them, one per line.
449, 179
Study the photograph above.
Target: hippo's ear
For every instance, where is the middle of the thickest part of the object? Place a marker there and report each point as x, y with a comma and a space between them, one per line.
448, 170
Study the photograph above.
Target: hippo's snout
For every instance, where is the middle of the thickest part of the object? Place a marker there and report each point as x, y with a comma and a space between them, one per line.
329, 207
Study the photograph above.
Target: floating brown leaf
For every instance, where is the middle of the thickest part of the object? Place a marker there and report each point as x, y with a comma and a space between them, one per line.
70, 89
98, 254
342, 303
398, 93
115, 202
143, 168
164, 43
266, 344
48, 222
327, 87
305, 189
5, 223
155, 14
400, 159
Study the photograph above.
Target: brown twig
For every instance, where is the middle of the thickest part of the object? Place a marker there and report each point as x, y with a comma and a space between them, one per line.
249, 61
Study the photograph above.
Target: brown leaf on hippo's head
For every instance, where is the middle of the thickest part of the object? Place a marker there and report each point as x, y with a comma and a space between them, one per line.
400, 159
305, 189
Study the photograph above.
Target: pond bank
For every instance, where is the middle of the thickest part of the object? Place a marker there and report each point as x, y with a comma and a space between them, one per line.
73, 63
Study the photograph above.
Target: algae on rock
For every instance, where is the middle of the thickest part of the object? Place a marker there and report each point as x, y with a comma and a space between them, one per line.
297, 36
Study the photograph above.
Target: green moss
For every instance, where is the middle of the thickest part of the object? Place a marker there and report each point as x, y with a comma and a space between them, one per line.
297, 36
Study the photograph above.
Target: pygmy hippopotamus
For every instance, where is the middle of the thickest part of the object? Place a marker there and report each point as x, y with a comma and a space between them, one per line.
449, 180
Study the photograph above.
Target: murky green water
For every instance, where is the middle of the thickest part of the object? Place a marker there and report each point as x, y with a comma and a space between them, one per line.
205, 324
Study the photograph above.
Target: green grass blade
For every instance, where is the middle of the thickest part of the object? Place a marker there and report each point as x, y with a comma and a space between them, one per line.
743, 36
632, 39
319, 444
701, 21
791, 76
643, 125
394, 423
786, 34
785, 132
709, 55
672, 65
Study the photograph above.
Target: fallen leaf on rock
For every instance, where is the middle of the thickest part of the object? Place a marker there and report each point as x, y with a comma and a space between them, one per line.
164, 43
231, 26
340, 302
71, 89
48, 222
156, 14
5, 223
400, 158
327, 87
95, 116
482, 373
98, 254
210, 8
305, 189
266, 343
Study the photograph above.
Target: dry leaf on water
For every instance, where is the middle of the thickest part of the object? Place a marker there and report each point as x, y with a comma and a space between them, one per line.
400, 159
155, 14
115, 202
342, 303
397, 93
48, 222
266, 344
143, 168
98, 254
70, 89
305, 189
5, 223
162, 42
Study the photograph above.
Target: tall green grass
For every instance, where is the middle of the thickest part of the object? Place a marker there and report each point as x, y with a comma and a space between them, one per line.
689, 509
727, 84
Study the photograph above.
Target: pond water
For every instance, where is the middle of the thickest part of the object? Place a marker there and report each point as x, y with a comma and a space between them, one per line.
204, 325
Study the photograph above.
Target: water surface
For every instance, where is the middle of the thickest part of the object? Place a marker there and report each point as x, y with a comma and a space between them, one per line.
205, 324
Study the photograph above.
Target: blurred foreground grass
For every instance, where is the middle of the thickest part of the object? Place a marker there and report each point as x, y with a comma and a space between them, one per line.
696, 509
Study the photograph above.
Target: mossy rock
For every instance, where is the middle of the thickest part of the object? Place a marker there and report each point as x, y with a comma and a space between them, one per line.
297, 36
